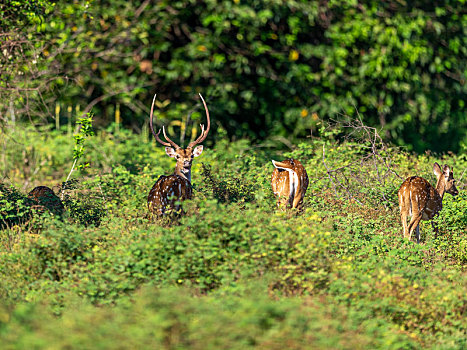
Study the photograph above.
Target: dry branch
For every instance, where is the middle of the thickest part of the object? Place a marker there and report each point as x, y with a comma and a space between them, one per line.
371, 172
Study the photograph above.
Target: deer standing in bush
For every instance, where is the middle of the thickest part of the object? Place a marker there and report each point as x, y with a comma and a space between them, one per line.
289, 182
421, 201
173, 189
45, 198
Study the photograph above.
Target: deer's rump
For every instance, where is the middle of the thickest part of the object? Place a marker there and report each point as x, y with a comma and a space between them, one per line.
289, 182
417, 195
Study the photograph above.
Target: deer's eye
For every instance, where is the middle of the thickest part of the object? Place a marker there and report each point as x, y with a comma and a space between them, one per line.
177, 157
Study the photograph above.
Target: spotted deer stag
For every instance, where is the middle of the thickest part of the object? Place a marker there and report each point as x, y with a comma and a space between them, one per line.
289, 183
173, 189
421, 201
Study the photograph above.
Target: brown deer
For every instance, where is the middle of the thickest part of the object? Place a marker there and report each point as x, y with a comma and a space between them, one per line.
421, 201
173, 189
43, 197
289, 183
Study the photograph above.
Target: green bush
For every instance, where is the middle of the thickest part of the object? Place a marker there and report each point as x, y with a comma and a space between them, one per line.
15, 208
60, 249
265, 67
171, 318
227, 190
452, 225
339, 263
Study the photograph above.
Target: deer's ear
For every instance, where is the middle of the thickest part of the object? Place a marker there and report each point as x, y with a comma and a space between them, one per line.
170, 152
437, 170
447, 170
198, 150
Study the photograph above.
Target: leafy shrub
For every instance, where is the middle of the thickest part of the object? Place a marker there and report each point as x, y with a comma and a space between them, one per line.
83, 205
170, 318
341, 257
85, 210
452, 226
230, 189
60, 249
15, 208
453, 216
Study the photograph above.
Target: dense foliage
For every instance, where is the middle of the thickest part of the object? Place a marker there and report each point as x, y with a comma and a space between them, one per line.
233, 272
267, 68
15, 14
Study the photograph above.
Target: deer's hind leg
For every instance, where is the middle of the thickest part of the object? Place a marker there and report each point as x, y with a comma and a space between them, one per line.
414, 225
298, 200
404, 224
404, 207
417, 233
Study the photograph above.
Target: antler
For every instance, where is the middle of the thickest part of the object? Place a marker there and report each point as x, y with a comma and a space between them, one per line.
203, 132
170, 142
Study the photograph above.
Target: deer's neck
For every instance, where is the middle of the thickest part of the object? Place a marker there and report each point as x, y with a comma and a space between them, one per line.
183, 172
441, 187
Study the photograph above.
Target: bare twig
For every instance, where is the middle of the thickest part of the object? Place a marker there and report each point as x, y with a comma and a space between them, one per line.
356, 179
334, 179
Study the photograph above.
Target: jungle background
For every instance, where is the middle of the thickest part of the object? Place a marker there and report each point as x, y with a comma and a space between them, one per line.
265, 67
363, 93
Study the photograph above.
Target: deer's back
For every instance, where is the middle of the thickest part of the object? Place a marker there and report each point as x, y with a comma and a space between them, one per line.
43, 196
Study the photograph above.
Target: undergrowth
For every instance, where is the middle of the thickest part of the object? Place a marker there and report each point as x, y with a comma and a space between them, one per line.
233, 272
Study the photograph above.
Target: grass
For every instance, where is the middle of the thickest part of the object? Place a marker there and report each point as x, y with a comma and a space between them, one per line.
234, 272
